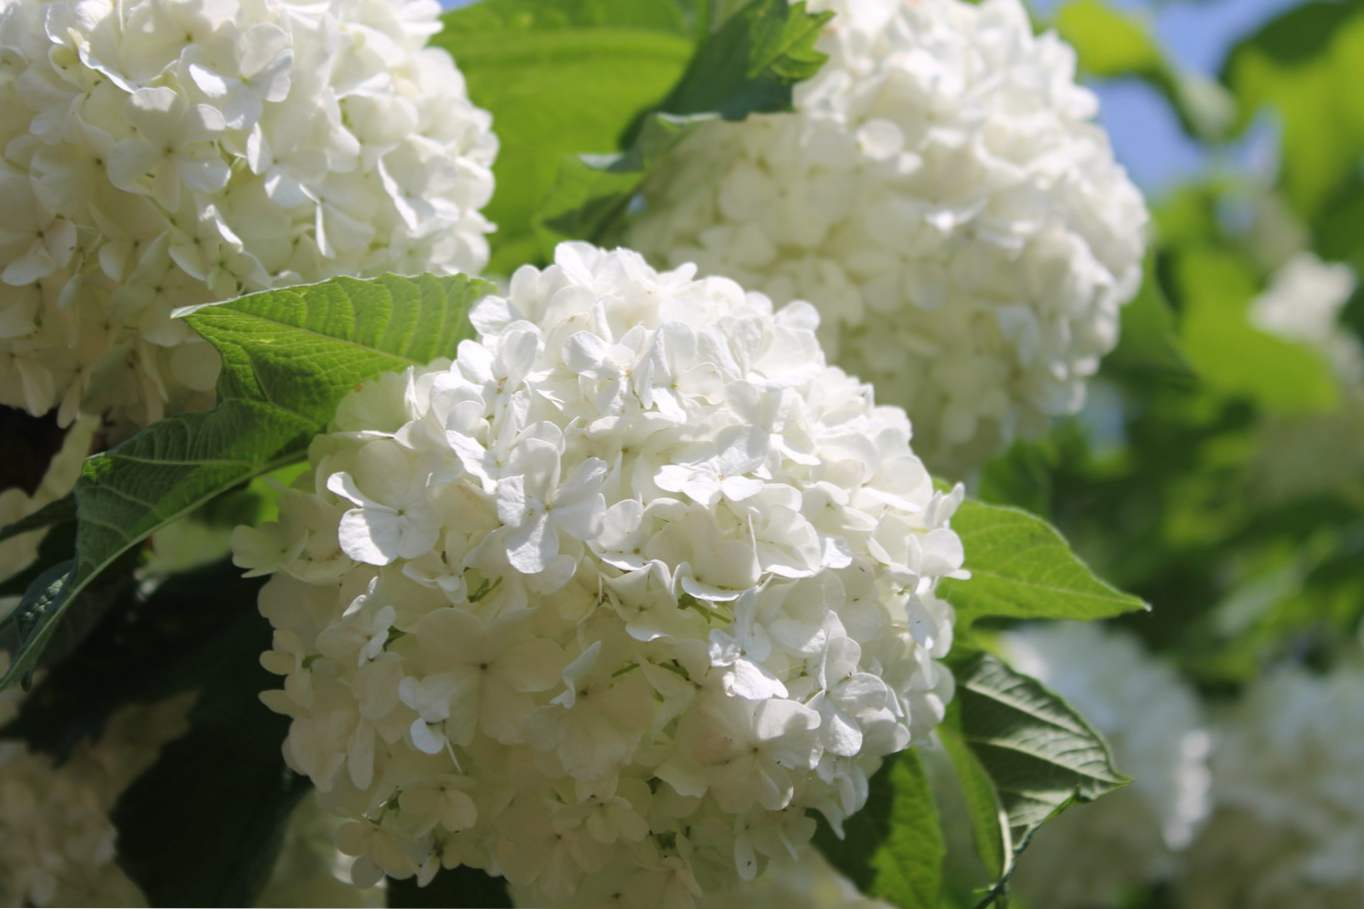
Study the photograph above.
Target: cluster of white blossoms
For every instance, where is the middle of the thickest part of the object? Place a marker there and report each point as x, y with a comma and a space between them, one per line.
1287, 827
158, 154
1091, 854
944, 199
609, 603
58, 846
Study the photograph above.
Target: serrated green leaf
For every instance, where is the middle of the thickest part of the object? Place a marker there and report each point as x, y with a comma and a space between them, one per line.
30, 625
1039, 753
62, 511
750, 65
989, 823
289, 356
562, 79
56, 547
1022, 568
893, 848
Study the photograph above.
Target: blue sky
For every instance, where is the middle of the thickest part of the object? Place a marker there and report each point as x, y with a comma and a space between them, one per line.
1196, 34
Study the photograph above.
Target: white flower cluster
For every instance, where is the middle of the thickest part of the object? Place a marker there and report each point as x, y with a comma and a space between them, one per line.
1288, 819
1091, 854
943, 197
310, 870
57, 844
606, 605
157, 154
18, 552
1303, 303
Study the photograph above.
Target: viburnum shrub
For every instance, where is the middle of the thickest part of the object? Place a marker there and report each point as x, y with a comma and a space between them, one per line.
567, 515
942, 196
610, 602
160, 154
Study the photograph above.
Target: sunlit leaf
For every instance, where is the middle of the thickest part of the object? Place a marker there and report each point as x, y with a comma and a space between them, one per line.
289, 356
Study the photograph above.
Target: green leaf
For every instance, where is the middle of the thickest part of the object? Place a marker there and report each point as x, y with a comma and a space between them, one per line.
451, 889
62, 511
1022, 568
1112, 43
560, 79
289, 356
893, 848
1305, 66
56, 546
30, 624
1038, 752
1233, 357
989, 823
750, 65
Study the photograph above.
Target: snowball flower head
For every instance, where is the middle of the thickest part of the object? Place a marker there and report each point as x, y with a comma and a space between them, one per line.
57, 844
160, 154
606, 605
1153, 723
943, 197
1288, 822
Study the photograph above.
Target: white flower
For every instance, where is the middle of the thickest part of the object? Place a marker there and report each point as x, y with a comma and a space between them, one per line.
164, 154
942, 195
1303, 303
1288, 822
612, 603
1153, 723
58, 846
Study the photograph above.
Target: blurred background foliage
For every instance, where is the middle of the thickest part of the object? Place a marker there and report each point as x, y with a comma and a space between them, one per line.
1218, 469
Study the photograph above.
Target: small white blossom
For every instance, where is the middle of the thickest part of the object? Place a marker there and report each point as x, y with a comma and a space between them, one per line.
163, 154
1287, 827
1153, 723
616, 603
943, 196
